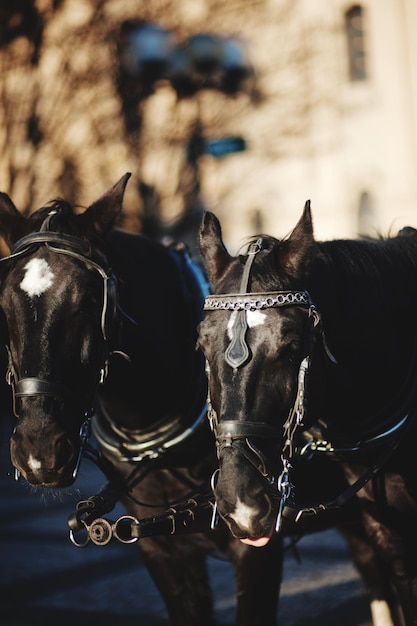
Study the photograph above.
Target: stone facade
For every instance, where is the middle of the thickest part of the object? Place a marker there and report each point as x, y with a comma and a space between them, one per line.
312, 128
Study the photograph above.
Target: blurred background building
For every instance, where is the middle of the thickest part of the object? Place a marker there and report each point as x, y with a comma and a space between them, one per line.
244, 107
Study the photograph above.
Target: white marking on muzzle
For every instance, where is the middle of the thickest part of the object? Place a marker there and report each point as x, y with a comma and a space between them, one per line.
34, 464
38, 278
242, 514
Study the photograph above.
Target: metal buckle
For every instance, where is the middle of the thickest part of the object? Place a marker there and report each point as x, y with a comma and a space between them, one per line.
285, 488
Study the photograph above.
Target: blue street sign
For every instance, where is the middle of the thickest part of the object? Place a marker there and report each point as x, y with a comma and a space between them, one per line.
219, 148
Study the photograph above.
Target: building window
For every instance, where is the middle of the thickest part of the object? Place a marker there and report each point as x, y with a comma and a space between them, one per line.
355, 33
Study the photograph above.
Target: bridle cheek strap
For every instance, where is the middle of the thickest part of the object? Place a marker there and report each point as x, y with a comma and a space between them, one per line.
35, 386
32, 386
240, 432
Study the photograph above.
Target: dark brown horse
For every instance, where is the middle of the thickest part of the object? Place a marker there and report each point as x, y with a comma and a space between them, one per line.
102, 323
311, 349
101, 328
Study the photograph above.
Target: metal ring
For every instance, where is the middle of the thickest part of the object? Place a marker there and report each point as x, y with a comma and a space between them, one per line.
76, 543
120, 528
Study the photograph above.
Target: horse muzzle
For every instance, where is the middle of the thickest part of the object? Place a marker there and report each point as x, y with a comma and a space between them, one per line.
48, 457
245, 500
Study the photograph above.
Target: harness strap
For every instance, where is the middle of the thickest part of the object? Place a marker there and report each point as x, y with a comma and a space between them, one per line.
295, 418
76, 249
192, 515
254, 248
73, 247
237, 352
240, 429
42, 237
227, 431
254, 301
351, 491
35, 386
318, 445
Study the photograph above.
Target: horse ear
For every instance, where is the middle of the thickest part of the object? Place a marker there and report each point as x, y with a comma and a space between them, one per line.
216, 257
102, 214
295, 253
13, 225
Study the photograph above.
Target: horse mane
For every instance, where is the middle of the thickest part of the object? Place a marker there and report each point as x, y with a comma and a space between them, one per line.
268, 242
376, 272
380, 271
57, 204
64, 220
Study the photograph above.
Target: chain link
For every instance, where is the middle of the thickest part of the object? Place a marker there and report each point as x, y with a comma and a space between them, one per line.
255, 301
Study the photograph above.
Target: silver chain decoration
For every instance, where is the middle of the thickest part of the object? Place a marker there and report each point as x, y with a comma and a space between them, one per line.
255, 301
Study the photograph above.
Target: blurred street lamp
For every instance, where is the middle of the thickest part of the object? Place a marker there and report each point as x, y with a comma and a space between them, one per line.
145, 51
150, 53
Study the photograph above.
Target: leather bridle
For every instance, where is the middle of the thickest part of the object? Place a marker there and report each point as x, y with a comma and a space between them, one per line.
239, 433
73, 247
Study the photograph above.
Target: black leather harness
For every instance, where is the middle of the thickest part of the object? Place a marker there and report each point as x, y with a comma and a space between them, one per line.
34, 386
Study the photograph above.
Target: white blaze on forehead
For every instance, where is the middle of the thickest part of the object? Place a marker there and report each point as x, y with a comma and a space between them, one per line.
242, 514
38, 277
253, 318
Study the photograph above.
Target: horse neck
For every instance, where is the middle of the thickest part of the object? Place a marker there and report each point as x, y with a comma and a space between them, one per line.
165, 372
369, 326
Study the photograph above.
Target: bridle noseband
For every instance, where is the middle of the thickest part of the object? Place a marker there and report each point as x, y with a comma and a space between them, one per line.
73, 247
240, 432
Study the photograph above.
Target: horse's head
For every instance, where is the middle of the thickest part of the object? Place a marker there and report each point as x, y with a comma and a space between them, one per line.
58, 298
257, 336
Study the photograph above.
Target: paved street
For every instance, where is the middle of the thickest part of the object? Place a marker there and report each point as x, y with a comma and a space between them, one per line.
46, 581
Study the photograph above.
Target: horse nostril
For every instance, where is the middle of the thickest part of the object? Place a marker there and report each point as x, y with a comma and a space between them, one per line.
64, 451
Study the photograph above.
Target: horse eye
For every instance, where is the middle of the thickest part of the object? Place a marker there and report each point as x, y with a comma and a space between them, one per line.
288, 348
90, 304
294, 345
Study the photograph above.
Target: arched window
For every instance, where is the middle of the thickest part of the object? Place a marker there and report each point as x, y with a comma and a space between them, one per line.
355, 34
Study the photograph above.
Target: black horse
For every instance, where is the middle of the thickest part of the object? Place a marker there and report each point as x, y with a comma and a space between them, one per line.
311, 349
102, 326
103, 322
